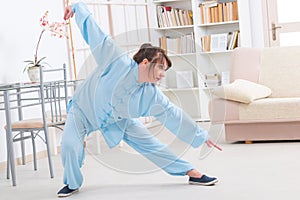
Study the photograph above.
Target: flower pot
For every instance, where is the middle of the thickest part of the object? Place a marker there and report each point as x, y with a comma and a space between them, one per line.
34, 74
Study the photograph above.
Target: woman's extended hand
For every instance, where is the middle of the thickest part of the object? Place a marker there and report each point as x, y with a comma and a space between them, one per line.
210, 144
68, 13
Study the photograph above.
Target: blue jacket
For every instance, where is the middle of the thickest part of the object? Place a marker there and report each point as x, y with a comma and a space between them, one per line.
111, 98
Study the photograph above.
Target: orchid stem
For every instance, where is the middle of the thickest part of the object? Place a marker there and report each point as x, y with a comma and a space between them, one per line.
37, 46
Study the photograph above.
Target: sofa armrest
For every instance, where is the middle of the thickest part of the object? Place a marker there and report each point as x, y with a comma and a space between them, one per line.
222, 111
245, 64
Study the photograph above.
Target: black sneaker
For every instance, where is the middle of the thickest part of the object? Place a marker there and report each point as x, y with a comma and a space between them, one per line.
66, 191
204, 180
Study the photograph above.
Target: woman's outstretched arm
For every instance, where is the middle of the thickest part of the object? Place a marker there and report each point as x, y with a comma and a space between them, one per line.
101, 44
174, 119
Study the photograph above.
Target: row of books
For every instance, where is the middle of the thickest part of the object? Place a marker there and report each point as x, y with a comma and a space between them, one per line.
170, 17
178, 45
212, 12
220, 42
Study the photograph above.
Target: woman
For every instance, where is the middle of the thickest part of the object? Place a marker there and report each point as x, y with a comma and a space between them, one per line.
120, 90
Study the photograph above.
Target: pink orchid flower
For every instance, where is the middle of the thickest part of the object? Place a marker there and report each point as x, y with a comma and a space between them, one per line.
57, 29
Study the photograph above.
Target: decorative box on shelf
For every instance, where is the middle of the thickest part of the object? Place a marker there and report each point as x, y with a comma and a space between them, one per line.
212, 80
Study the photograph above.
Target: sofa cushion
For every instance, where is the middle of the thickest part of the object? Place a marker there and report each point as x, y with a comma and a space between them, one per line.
280, 71
271, 109
242, 91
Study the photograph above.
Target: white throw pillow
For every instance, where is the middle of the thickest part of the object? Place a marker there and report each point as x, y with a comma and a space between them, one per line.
242, 91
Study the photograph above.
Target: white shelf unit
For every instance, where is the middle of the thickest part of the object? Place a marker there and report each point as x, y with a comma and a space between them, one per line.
176, 28
215, 62
202, 62
187, 98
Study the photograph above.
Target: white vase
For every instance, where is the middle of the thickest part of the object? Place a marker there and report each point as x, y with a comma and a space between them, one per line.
34, 74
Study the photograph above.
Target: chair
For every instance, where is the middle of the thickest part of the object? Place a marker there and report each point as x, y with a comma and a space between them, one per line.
52, 95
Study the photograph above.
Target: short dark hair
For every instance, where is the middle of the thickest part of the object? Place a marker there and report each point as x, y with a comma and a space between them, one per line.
152, 53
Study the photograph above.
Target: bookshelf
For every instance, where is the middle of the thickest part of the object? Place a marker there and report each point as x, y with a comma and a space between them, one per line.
217, 28
218, 31
174, 26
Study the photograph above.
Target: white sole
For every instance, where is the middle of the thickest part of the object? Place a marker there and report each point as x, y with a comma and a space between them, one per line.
66, 195
206, 184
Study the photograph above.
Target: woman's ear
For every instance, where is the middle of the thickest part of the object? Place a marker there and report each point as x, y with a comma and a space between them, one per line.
145, 61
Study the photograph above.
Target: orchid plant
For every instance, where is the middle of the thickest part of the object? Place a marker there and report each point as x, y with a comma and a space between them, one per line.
56, 29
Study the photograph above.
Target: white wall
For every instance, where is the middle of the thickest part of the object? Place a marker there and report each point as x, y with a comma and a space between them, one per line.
256, 21
251, 23
18, 37
20, 30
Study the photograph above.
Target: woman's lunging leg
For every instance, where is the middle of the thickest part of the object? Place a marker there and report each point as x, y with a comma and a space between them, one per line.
139, 138
72, 150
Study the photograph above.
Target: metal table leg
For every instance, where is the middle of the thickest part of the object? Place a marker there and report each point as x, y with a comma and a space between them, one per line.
9, 138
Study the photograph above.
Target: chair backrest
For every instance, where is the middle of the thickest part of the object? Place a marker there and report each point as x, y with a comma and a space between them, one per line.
54, 96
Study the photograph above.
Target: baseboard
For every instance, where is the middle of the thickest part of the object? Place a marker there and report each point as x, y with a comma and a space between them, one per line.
28, 158
3, 165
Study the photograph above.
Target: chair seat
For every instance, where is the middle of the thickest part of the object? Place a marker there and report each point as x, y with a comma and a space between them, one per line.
35, 123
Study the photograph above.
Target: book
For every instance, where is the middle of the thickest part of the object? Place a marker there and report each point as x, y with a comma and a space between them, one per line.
220, 13
173, 18
201, 7
205, 41
178, 45
167, 11
163, 43
218, 42
235, 14
176, 10
233, 41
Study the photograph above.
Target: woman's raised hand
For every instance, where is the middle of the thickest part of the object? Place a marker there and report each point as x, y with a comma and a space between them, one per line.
68, 13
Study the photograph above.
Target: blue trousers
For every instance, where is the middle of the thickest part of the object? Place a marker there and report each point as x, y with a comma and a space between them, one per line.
137, 136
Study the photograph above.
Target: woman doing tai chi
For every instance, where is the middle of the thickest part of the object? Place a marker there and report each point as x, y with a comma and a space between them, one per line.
115, 94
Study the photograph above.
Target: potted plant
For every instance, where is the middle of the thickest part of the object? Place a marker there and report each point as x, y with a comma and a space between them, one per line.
33, 66
33, 69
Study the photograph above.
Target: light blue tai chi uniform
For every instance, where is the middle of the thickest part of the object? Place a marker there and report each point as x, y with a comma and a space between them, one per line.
111, 99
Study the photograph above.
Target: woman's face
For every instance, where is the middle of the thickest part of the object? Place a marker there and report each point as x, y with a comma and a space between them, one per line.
158, 72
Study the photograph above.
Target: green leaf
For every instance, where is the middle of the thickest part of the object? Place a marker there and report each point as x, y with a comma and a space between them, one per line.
29, 61
40, 60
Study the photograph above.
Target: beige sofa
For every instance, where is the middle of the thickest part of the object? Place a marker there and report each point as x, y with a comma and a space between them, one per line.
275, 117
